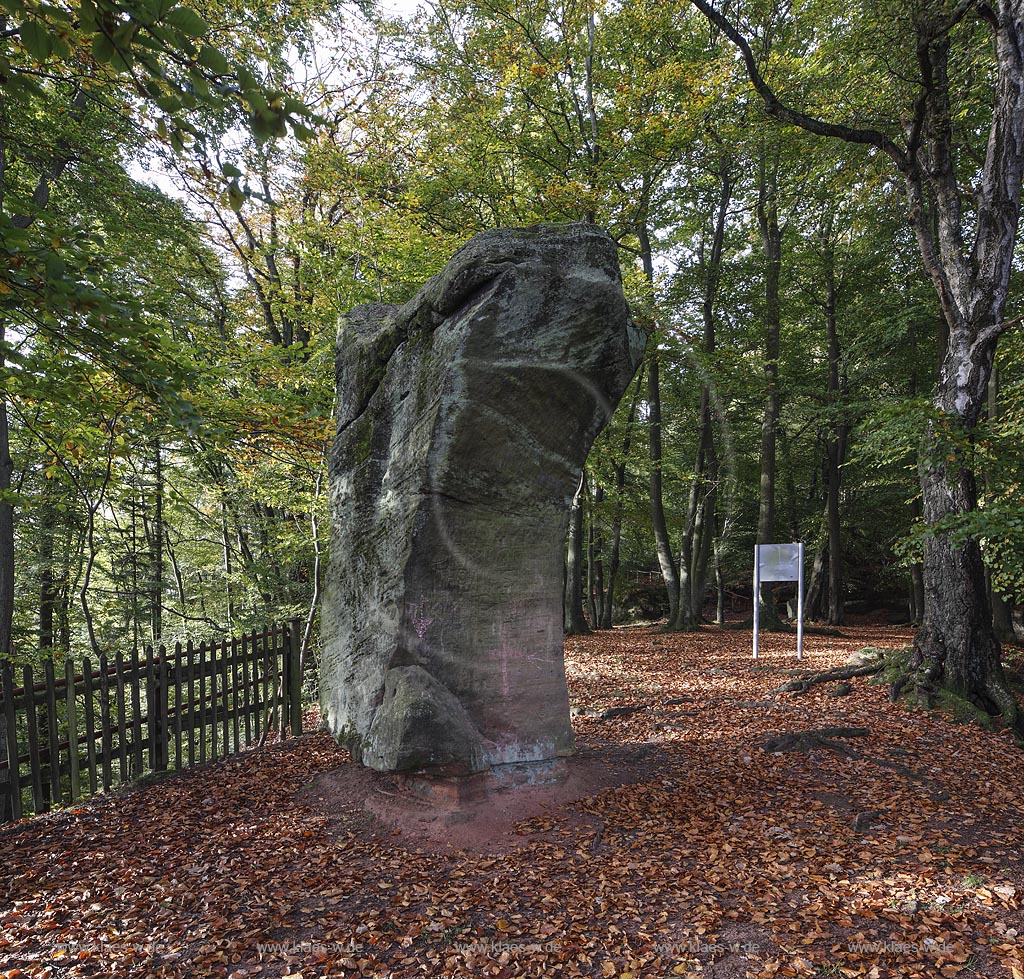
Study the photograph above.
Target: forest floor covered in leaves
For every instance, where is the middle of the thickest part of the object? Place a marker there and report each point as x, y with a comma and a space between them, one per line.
694, 851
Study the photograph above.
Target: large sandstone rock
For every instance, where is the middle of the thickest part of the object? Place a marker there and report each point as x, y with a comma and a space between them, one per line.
464, 418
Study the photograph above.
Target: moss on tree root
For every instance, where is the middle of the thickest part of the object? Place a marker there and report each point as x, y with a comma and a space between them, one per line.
917, 687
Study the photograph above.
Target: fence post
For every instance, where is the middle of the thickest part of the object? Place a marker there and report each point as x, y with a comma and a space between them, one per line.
39, 803
190, 679
138, 764
106, 741
122, 722
283, 684
225, 689
52, 734
90, 724
149, 653
163, 728
295, 661
177, 704
11, 729
69, 674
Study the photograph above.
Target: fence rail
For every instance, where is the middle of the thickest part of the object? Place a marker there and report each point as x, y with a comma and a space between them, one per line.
87, 727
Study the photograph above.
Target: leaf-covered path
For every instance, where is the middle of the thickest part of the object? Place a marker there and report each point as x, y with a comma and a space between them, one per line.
901, 856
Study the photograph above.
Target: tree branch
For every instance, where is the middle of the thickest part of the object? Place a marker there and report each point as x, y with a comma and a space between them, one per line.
782, 112
992, 333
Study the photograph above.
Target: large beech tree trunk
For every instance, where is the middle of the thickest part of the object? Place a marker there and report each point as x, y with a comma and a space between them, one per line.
956, 644
966, 232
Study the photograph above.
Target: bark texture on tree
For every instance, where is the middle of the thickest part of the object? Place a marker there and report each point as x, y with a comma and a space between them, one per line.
701, 516
662, 540
574, 619
620, 485
771, 239
956, 645
966, 231
6, 523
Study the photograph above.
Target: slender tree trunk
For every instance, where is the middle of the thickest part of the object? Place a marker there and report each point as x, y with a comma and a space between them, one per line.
836, 615
620, 484
575, 621
314, 603
179, 578
228, 566
595, 564
836, 453
83, 590
771, 240
6, 517
662, 541
156, 576
70, 556
48, 595
591, 564
719, 580
816, 597
695, 549
696, 546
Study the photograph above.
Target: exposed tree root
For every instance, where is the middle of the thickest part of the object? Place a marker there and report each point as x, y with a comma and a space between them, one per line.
804, 684
824, 739
611, 712
994, 705
818, 739
1010, 713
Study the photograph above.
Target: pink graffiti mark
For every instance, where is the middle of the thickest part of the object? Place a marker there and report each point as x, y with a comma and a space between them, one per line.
420, 621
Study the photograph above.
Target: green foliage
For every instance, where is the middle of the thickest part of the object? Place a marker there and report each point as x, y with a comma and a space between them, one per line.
169, 367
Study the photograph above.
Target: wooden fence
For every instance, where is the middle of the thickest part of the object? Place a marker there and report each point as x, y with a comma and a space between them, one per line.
73, 732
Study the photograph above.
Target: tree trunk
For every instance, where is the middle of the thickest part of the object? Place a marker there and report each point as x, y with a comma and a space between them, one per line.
1002, 619
575, 621
620, 484
956, 645
156, 575
816, 597
6, 519
836, 452
966, 233
595, 564
228, 566
701, 523
771, 240
836, 615
662, 541
719, 581
695, 550
591, 562
48, 595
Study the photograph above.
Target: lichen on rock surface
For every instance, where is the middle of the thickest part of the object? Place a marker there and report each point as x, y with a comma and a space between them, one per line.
464, 420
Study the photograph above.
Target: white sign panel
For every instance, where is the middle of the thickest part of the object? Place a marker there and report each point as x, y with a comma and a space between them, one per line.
779, 562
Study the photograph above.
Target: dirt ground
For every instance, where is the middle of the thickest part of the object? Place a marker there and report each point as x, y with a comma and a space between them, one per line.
672, 844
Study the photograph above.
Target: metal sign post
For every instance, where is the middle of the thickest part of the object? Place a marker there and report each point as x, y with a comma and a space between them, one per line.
780, 562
